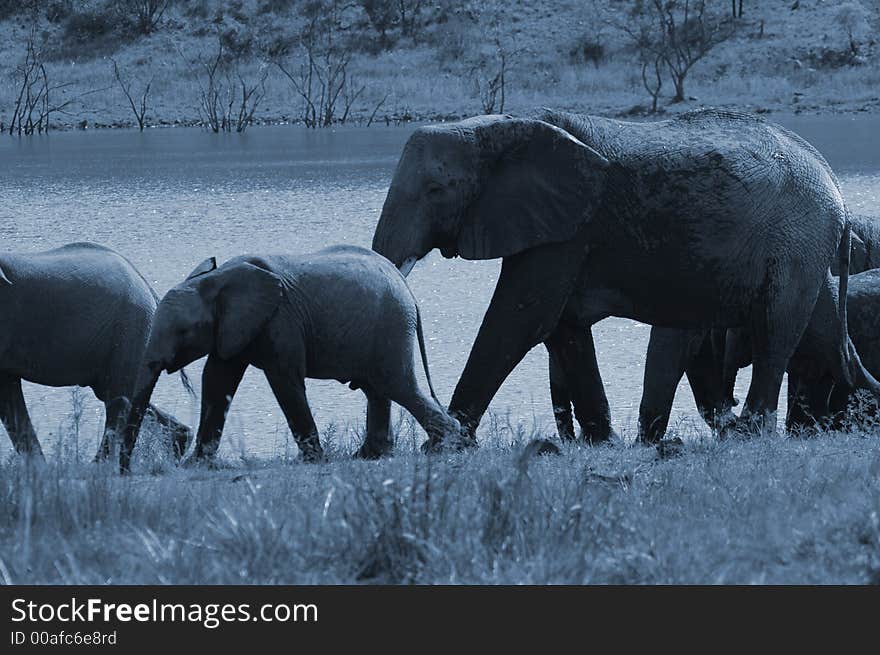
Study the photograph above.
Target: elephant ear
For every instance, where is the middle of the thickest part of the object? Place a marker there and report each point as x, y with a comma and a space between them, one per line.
540, 185
246, 298
210, 264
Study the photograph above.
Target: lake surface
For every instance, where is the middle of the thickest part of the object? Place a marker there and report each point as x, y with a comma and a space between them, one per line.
167, 199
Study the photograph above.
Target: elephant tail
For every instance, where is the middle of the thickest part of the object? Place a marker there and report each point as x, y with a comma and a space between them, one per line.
853, 371
421, 336
843, 281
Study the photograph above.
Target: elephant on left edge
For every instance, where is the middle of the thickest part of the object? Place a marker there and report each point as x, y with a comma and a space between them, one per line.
77, 315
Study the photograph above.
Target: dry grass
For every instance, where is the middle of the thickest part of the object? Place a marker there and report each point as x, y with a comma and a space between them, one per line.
761, 511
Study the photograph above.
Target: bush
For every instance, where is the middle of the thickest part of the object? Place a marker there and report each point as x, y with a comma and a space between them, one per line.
87, 35
274, 6
588, 51
58, 11
237, 45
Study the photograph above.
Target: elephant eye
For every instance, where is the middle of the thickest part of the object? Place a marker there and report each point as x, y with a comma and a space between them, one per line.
434, 190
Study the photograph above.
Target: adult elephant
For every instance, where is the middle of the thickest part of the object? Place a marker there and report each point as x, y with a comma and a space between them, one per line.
76, 315
710, 219
711, 359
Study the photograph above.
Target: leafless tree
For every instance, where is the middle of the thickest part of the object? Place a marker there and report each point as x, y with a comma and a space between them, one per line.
140, 108
322, 80
145, 15
410, 12
852, 17
34, 104
227, 99
252, 94
679, 32
652, 78
492, 88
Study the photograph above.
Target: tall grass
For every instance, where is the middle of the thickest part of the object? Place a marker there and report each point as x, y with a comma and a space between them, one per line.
762, 511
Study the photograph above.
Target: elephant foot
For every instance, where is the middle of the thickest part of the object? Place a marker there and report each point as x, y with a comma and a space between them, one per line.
602, 439
670, 448
201, 461
538, 447
311, 456
748, 427
449, 444
372, 452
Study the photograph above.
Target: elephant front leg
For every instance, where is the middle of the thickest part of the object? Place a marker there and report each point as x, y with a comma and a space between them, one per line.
378, 441
704, 370
16, 420
573, 350
560, 397
531, 293
220, 380
667, 357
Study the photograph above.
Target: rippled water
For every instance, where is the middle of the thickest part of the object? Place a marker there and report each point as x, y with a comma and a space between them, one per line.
169, 198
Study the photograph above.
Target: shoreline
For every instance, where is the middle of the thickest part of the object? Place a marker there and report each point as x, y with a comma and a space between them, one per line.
871, 106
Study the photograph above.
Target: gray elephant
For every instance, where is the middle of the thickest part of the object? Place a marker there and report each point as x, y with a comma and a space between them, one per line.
711, 358
342, 313
76, 315
709, 220
816, 395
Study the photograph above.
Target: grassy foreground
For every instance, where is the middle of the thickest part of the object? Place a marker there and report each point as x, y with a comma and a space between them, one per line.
761, 511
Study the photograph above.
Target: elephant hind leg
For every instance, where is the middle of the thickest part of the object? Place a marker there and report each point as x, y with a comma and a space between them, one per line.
16, 420
572, 348
378, 441
776, 329
405, 391
290, 393
116, 412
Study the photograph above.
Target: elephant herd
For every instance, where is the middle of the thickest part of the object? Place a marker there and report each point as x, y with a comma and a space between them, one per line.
721, 230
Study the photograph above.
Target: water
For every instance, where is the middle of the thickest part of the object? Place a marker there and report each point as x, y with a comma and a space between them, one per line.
167, 199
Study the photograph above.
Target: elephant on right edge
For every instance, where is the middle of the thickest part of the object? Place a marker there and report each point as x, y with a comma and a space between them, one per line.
815, 395
710, 359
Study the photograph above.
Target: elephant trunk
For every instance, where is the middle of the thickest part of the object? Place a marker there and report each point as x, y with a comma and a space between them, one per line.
737, 355
147, 382
403, 235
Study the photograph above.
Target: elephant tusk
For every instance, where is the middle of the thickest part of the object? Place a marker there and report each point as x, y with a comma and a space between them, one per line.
407, 265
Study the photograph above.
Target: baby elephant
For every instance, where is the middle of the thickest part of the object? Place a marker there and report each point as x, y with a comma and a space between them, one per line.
343, 313
76, 315
815, 394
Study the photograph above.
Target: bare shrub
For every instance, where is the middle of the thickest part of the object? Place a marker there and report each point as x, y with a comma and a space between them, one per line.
852, 18
490, 79
322, 78
227, 98
144, 16
34, 104
140, 108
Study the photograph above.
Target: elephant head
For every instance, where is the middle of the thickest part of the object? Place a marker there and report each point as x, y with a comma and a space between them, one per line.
487, 187
215, 310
